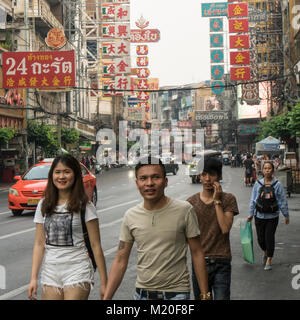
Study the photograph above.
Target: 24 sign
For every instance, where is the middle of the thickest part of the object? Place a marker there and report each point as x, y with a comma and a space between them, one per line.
52, 69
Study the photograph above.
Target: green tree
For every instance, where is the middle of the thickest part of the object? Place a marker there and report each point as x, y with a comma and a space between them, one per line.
69, 136
276, 127
6, 134
294, 121
43, 136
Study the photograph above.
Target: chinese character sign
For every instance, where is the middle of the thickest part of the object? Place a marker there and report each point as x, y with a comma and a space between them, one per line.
239, 57
236, 10
239, 42
52, 69
240, 73
238, 25
216, 24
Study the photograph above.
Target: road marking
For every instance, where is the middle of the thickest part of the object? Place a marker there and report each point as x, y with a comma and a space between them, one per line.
16, 233
105, 225
14, 293
12, 221
118, 205
6, 212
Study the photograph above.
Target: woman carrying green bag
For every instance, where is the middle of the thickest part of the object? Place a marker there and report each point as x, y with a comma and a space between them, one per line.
268, 197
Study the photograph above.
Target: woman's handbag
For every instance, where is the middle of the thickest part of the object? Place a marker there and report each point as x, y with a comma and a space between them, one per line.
247, 242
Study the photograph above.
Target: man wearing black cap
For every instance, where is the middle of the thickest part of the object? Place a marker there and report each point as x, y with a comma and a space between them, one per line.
215, 210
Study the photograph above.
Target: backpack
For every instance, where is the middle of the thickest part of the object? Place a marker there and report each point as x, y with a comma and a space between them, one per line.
266, 201
86, 238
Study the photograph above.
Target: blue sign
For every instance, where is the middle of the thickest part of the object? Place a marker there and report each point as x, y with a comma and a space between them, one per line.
216, 40
217, 56
214, 9
216, 24
217, 87
217, 72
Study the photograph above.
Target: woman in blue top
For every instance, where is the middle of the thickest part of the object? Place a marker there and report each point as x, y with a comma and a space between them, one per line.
266, 223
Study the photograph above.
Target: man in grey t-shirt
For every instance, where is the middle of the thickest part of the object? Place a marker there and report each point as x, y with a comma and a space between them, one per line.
162, 229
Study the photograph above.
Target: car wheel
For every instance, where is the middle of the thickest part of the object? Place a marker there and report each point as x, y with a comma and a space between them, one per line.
16, 212
94, 197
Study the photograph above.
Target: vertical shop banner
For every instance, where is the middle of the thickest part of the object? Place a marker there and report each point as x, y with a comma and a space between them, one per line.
239, 57
108, 30
217, 56
122, 65
142, 50
53, 69
217, 87
143, 84
216, 25
109, 69
143, 72
142, 95
142, 61
122, 30
109, 49
216, 40
239, 42
217, 72
240, 73
108, 10
122, 13
236, 10
238, 25
122, 48
122, 83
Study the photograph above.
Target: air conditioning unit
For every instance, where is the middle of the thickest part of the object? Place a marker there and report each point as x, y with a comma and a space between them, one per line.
18, 6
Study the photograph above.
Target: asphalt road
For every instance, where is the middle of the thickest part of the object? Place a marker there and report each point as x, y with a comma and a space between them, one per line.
117, 192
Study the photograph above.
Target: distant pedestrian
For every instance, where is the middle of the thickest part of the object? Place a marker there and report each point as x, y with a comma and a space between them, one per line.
248, 164
215, 210
87, 162
266, 222
162, 229
67, 272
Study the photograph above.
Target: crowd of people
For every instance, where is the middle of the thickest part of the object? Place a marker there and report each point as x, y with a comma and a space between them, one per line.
163, 228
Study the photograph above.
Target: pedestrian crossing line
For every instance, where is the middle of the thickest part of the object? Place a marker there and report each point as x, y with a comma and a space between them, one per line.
6, 212
14, 293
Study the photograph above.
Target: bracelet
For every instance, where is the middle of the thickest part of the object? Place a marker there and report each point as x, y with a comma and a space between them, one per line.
217, 202
205, 296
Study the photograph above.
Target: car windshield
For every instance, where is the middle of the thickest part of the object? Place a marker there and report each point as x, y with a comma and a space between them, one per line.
37, 173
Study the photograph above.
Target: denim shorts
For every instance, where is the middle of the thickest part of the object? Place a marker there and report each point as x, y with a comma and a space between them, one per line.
68, 274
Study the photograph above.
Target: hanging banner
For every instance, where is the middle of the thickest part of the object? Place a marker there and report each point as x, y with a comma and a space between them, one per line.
239, 42
45, 69
236, 10
241, 73
216, 40
142, 50
217, 72
238, 25
122, 13
122, 65
217, 87
214, 9
217, 56
239, 57
216, 24
142, 61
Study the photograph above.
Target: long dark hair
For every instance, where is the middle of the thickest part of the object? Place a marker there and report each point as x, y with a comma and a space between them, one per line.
78, 197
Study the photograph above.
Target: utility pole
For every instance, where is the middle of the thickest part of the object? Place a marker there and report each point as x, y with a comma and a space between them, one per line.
27, 111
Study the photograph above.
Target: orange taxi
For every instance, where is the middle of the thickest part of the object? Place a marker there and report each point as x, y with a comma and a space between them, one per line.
29, 188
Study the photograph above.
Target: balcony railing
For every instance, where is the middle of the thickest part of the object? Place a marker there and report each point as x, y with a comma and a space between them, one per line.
41, 9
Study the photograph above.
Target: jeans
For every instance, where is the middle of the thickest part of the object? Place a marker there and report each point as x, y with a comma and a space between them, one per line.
179, 296
219, 279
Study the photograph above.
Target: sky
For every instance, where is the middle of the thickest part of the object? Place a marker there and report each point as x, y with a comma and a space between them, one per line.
182, 55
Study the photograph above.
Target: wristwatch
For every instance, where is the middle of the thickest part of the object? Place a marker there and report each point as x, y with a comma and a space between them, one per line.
217, 202
205, 296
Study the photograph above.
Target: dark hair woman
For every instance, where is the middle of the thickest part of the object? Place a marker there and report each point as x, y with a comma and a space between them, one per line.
67, 272
266, 222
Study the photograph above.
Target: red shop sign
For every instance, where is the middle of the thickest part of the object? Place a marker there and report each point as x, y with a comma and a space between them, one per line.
46, 69
146, 35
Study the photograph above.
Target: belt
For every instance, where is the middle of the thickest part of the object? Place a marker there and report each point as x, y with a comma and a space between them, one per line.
210, 260
156, 295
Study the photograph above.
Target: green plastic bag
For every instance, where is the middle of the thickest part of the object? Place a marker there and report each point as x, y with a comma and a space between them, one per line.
247, 242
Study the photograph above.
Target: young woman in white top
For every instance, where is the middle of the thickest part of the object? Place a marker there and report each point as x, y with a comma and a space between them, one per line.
67, 272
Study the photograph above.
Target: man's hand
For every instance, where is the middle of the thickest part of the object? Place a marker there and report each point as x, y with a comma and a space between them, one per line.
287, 220
217, 191
249, 219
